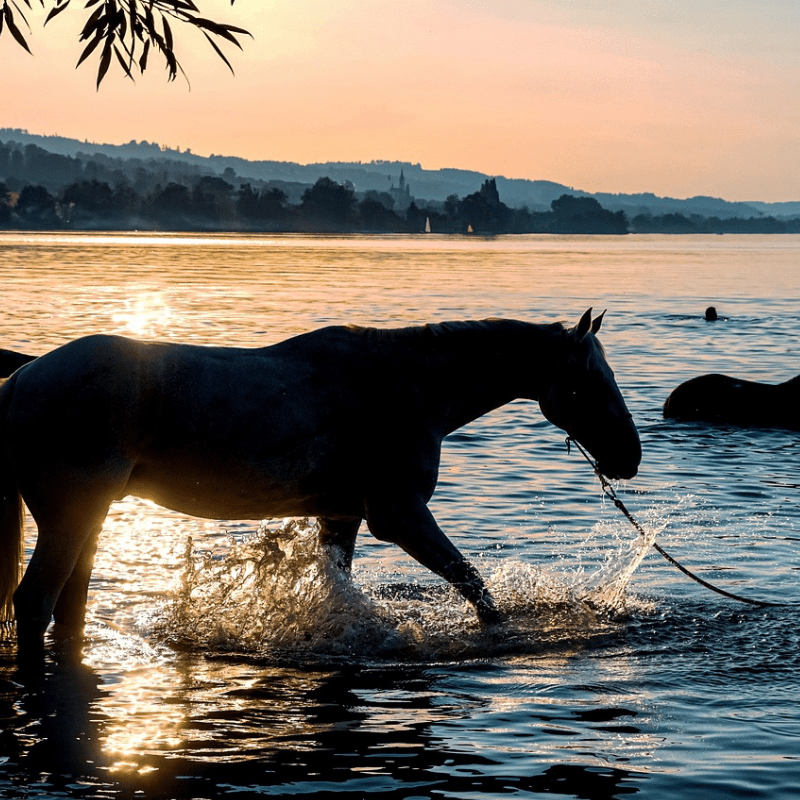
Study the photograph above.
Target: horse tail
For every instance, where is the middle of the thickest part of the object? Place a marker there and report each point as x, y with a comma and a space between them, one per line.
11, 542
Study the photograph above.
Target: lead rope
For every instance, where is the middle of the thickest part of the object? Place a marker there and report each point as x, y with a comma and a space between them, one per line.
609, 492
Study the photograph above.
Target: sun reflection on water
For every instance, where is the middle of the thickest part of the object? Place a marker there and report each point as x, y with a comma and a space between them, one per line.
147, 313
139, 720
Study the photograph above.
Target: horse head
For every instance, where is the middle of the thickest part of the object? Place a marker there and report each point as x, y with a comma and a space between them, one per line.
582, 398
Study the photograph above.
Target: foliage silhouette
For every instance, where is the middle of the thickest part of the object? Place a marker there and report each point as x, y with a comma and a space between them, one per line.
41, 190
328, 203
585, 215
36, 207
261, 207
126, 32
483, 212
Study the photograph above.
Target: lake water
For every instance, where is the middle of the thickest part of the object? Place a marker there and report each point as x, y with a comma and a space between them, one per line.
224, 659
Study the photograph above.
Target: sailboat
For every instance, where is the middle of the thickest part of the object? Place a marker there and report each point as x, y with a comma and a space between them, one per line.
427, 224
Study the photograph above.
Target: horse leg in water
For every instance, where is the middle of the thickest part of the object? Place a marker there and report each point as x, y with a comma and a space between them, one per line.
410, 524
341, 534
57, 577
70, 607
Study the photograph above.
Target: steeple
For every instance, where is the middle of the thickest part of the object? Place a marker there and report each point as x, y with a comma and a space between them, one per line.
401, 194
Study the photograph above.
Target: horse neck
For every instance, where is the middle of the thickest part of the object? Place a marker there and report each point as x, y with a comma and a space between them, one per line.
474, 368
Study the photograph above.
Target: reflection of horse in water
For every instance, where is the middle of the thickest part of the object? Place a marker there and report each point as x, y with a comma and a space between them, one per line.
719, 398
344, 424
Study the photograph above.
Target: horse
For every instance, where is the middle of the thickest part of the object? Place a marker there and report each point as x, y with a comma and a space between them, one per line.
10, 361
721, 399
343, 423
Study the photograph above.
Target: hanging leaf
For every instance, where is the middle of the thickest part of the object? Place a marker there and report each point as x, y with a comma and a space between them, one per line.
56, 10
89, 49
167, 33
123, 62
105, 63
93, 22
219, 52
218, 29
143, 57
12, 26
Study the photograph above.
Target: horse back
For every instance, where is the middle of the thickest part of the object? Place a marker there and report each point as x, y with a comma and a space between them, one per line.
198, 428
162, 388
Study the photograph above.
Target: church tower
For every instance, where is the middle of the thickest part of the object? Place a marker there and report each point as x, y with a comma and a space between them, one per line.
401, 193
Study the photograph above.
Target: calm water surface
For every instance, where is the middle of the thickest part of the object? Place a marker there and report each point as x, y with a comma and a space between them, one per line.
225, 659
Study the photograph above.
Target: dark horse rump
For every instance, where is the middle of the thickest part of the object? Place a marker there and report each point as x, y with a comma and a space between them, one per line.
722, 399
344, 424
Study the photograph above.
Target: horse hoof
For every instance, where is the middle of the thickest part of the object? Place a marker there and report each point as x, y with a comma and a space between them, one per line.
489, 614
30, 656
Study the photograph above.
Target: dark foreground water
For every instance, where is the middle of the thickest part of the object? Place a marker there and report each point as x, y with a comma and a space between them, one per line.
230, 660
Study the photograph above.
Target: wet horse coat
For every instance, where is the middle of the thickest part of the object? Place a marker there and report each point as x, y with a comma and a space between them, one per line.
344, 424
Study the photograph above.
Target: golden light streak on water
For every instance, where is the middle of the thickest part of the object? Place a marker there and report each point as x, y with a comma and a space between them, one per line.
146, 314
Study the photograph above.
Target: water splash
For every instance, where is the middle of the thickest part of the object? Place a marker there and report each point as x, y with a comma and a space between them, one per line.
278, 590
280, 593
607, 588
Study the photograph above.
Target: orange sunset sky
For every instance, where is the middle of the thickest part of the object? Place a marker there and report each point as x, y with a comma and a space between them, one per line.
677, 98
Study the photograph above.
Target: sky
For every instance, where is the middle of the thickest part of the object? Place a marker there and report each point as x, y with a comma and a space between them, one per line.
675, 98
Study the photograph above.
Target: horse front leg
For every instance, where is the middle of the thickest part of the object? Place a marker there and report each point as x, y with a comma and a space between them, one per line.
412, 526
341, 535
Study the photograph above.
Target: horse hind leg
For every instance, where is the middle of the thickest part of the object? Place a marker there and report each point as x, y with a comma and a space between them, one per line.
57, 577
70, 608
340, 534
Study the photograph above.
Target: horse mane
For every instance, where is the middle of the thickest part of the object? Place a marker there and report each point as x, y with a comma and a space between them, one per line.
459, 329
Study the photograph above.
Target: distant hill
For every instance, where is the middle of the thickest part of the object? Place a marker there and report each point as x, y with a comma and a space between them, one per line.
376, 175
381, 176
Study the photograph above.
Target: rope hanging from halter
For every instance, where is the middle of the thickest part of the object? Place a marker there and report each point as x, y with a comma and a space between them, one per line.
609, 492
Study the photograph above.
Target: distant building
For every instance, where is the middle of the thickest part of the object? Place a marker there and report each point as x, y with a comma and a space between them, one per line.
401, 194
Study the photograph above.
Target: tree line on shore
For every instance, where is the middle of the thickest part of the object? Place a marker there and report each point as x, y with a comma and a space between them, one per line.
44, 190
213, 204
210, 203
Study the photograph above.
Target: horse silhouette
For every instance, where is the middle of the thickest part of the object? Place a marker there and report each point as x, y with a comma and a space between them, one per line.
721, 399
343, 423
11, 361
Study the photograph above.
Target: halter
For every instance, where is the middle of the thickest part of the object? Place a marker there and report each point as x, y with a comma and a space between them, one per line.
609, 492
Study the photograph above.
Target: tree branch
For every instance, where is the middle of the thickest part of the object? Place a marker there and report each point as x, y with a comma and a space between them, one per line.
129, 31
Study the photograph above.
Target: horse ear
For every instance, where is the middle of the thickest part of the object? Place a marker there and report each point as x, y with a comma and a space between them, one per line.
584, 325
596, 324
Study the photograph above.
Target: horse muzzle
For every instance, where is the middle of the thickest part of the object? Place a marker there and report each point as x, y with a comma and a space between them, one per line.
616, 472
618, 458
621, 460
